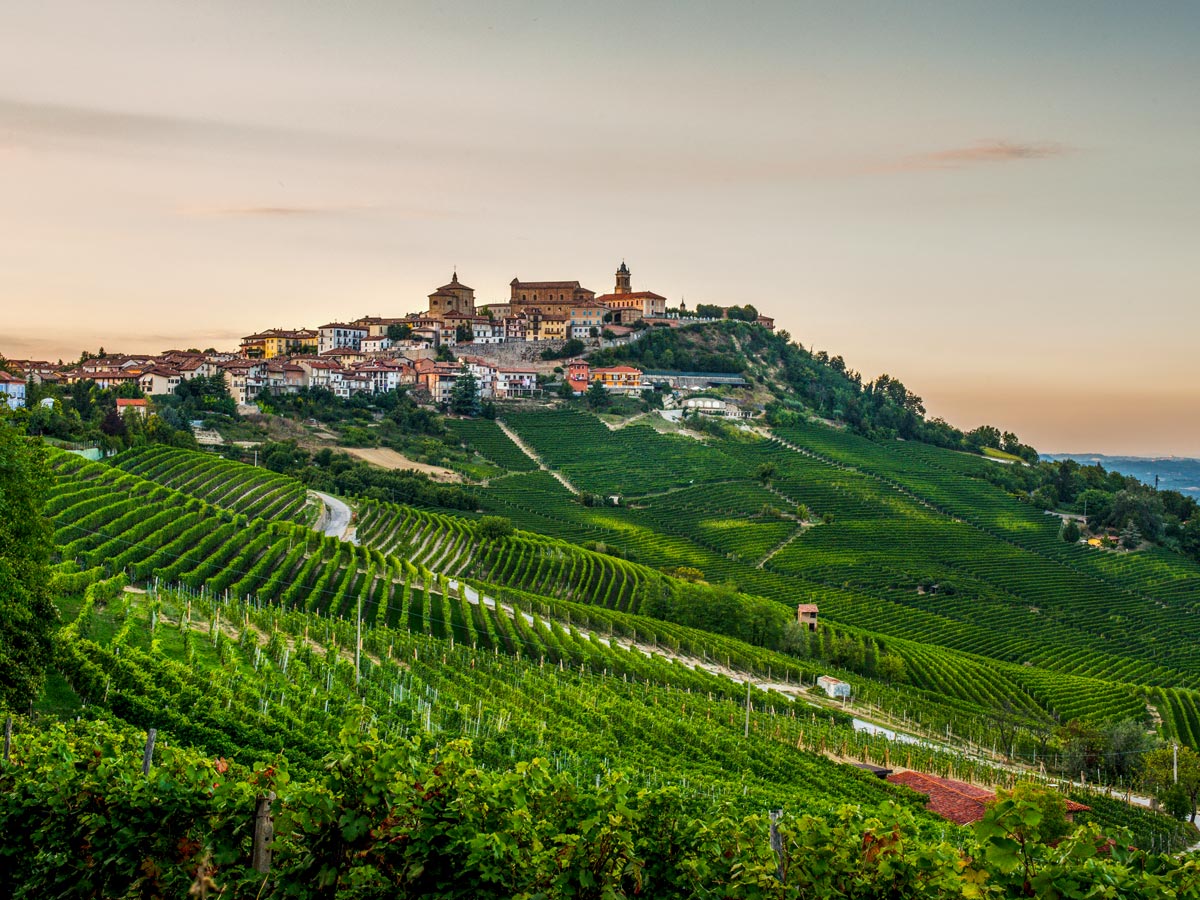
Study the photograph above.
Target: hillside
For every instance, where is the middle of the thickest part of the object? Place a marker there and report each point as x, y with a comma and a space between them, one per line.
645, 649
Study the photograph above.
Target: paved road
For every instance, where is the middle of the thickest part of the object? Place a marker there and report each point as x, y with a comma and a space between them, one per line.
338, 519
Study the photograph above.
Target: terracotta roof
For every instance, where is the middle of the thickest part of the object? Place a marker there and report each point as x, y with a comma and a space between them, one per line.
564, 285
807, 607
635, 295
617, 369
125, 402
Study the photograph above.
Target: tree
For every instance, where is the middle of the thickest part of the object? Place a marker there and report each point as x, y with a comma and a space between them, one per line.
1070, 531
766, 472
400, 331
1159, 775
597, 396
493, 528
28, 616
464, 396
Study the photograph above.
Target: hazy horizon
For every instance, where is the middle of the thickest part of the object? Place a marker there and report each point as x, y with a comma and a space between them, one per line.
995, 204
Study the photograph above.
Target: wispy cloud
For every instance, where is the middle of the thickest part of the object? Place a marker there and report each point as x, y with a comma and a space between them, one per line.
273, 212
981, 152
309, 211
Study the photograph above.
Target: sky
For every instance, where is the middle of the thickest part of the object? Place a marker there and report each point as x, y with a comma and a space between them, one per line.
998, 204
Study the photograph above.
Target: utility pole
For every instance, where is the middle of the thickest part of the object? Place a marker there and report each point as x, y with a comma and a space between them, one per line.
1175, 762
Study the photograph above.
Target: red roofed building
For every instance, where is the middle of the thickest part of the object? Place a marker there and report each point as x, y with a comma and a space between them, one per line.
806, 615
124, 405
619, 378
957, 801
578, 375
630, 305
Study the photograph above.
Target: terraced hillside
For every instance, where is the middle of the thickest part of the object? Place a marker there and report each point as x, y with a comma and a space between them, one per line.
860, 545
915, 547
245, 644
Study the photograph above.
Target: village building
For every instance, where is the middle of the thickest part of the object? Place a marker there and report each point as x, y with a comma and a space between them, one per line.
138, 407
279, 342
806, 615
578, 375
244, 378
318, 372
628, 305
159, 380
35, 371
338, 335
12, 389
587, 319
376, 344
619, 378
515, 382
553, 298
453, 297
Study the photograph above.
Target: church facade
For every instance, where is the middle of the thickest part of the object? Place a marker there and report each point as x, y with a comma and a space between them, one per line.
454, 297
629, 305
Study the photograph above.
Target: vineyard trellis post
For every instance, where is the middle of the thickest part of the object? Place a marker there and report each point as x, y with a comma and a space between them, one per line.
777, 844
264, 834
7, 737
148, 756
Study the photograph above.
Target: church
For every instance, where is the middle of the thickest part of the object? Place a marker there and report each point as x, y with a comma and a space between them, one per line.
454, 297
629, 305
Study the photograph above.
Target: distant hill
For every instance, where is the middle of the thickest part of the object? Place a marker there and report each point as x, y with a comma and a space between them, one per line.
1174, 472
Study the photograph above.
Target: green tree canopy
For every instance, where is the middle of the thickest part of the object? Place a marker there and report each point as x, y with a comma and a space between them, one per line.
27, 613
464, 396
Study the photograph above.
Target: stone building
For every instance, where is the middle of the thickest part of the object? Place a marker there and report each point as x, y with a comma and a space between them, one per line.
553, 298
454, 297
628, 305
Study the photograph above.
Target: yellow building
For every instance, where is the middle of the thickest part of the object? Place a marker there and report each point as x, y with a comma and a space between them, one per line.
279, 342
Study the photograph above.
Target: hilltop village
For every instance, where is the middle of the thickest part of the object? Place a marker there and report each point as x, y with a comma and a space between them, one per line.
510, 348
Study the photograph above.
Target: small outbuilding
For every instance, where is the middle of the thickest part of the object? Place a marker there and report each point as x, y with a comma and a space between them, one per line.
834, 687
806, 615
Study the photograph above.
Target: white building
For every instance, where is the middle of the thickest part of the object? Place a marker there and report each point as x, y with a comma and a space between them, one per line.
514, 382
375, 344
833, 686
337, 335
12, 389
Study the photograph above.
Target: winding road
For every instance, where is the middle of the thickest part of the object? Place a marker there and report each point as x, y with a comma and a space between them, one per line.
337, 521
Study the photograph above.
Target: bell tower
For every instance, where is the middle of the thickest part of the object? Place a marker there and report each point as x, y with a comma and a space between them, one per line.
622, 280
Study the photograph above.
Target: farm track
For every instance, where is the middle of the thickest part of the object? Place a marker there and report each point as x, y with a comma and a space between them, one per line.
532, 454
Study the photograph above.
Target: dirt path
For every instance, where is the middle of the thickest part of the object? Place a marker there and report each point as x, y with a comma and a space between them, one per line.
532, 454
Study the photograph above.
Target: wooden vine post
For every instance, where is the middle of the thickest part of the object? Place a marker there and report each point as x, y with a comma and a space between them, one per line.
777, 843
264, 834
148, 756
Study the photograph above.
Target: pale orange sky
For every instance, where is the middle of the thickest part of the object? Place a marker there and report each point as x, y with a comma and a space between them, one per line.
998, 204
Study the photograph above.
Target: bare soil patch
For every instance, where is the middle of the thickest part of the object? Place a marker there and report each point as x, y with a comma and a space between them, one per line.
387, 458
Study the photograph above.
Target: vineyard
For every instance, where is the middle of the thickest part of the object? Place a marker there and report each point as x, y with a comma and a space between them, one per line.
253, 492
981, 619
195, 602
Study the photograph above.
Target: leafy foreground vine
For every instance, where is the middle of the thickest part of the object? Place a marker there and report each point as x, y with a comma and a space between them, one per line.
412, 820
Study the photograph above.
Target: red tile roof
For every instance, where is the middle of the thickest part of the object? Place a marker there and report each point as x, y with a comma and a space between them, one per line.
633, 295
